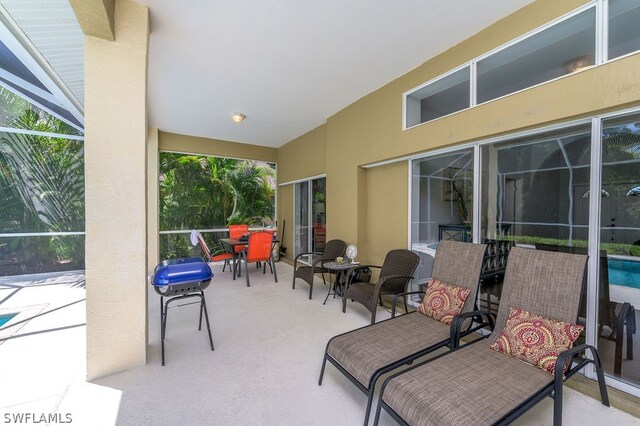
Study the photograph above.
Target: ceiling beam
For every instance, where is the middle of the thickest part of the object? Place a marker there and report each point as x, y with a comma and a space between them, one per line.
95, 17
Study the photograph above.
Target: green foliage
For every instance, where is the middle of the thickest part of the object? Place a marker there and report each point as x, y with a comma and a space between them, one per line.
610, 248
199, 192
41, 188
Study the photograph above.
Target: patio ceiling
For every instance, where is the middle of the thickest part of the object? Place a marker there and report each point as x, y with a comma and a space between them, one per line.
289, 65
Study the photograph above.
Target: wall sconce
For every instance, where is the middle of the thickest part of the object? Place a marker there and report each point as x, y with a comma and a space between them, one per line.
578, 64
238, 117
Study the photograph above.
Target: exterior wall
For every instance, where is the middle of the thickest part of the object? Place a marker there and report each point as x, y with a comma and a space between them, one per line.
370, 130
116, 193
220, 148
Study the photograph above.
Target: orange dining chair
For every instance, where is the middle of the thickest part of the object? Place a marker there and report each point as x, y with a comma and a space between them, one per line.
237, 231
218, 256
259, 249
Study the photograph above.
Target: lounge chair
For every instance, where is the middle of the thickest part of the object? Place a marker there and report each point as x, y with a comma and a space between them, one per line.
615, 320
363, 355
333, 249
481, 386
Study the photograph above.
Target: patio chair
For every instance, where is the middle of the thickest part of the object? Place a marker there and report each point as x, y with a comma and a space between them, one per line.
333, 249
396, 271
218, 256
259, 249
236, 232
615, 320
478, 385
365, 354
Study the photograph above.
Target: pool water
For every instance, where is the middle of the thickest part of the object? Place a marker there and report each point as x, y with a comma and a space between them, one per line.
624, 272
6, 318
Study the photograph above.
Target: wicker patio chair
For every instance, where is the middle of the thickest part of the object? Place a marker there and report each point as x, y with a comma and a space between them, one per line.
395, 273
477, 385
333, 249
365, 354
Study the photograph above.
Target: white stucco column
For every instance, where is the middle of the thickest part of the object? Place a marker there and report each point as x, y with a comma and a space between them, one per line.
116, 193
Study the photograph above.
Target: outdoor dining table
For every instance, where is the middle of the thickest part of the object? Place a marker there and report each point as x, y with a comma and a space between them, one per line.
229, 245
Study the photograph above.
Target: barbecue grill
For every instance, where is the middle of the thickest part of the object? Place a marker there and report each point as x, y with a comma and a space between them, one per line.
177, 280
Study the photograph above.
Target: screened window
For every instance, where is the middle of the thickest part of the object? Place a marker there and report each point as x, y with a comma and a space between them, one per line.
209, 193
41, 191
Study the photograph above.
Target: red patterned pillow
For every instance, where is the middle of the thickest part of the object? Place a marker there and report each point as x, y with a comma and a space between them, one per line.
535, 339
443, 301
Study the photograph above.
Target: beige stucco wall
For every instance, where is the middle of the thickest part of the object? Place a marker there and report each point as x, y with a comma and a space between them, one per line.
370, 130
116, 216
304, 156
197, 145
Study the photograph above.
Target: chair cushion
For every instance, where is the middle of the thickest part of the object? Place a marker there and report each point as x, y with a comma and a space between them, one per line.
535, 339
470, 386
443, 301
364, 351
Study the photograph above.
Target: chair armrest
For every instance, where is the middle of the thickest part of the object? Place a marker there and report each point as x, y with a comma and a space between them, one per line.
559, 376
382, 280
395, 300
295, 259
458, 322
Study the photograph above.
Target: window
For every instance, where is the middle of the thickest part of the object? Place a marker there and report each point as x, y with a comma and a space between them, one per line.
624, 31
558, 50
209, 193
619, 263
444, 96
441, 204
536, 192
309, 216
533, 188
41, 190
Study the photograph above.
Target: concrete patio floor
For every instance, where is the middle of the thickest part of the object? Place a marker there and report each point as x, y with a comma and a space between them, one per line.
269, 341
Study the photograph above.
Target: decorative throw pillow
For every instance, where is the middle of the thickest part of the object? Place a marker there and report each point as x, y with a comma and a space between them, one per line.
443, 301
535, 339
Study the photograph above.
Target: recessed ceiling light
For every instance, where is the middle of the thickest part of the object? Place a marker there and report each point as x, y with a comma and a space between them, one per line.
238, 117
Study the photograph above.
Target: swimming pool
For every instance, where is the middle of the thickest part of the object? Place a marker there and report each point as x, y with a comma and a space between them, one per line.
624, 272
6, 318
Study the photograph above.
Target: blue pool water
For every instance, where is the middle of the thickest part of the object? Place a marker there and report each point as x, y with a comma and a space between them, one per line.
624, 272
6, 318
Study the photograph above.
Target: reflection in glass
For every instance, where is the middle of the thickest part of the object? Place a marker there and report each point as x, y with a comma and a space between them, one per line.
301, 226
534, 188
442, 198
619, 278
318, 213
561, 49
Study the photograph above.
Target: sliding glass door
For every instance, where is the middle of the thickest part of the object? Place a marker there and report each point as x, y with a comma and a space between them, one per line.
574, 188
309, 205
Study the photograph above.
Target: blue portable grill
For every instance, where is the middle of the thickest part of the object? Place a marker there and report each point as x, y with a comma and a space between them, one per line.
179, 279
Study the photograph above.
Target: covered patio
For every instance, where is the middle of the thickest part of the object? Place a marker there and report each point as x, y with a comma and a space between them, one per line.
264, 370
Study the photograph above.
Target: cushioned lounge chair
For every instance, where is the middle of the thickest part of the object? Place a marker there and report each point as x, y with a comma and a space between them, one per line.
333, 249
395, 273
477, 385
615, 320
363, 355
